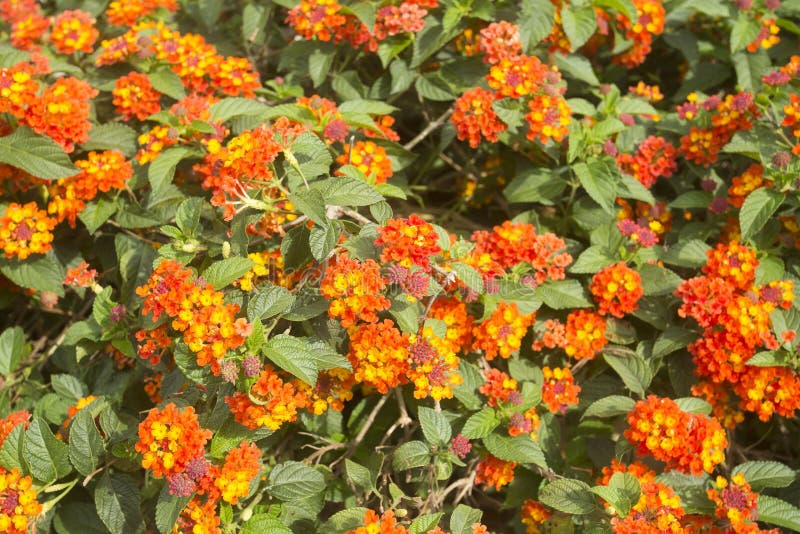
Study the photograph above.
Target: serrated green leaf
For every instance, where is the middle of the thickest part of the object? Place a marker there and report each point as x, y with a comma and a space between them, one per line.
294, 480
480, 424
562, 294
168, 508
118, 504
167, 82
632, 369
12, 349
766, 474
757, 209
569, 496
221, 273
46, 456
462, 519
294, 355
521, 449
112, 136
35, 154
435, 426
778, 512
358, 475
411, 454
162, 169
611, 406
85, 443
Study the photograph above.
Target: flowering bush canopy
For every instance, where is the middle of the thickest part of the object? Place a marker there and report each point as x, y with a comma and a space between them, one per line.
399, 266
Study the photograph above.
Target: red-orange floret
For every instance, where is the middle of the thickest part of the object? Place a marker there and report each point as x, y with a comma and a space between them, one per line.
585, 334
379, 354
492, 471
411, 241
134, 96
559, 391
74, 31
270, 403
617, 290
61, 112
475, 119
169, 439
354, 289
242, 464
501, 334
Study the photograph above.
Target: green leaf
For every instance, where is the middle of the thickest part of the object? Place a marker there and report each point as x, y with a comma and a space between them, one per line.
265, 524
538, 185
468, 275
480, 424
167, 82
462, 519
600, 182
35, 154
778, 512
535, 21
630, 187
44, 273
12, 349
221, 273
578, 67
85, 443
614, 497
562, 294
632, 369
766, 474
351, 189
12, 450
579, 24
411, 454
672, 339
611, 406
691, 253
313, 158
268, 302
693, 405
745, 31
347, 519
592, 260
118, 503
320, 62
358, 475
168, 508
569, 496
322, 240
294, 355
624, 7
757, 209
112, 136
162, 169
230, 108
435, 426
657, 280
67, 386
294, 480
231, 434
96, 213
370, 107
769, 358
424, 523
521, 449
46, 456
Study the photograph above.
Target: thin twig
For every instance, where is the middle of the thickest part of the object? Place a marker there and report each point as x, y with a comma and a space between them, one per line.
428, 129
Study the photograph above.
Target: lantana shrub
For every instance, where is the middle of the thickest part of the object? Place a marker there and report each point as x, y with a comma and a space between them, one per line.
399, 266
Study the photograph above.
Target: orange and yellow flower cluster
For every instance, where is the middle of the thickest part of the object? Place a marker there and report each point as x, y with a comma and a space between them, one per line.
735, 314
514, 75
19, 504
688, 442
209, 325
